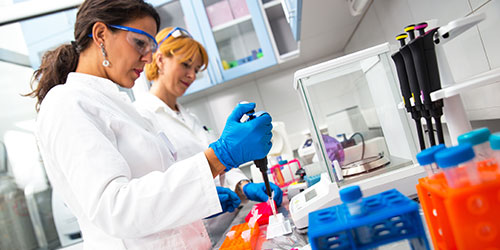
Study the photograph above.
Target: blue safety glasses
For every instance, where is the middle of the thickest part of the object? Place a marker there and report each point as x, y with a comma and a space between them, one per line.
140, 40
175, 33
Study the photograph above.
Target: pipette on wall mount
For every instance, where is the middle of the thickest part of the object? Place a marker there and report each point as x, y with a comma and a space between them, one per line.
413, 82
405, 90
427, 72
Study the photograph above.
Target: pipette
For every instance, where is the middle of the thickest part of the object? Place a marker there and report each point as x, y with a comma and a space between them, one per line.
405, 90
261, 164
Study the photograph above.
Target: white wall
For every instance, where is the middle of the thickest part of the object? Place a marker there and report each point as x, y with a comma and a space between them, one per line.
273, 93
476, 51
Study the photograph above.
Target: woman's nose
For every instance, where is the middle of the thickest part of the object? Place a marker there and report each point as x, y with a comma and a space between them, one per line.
148, 58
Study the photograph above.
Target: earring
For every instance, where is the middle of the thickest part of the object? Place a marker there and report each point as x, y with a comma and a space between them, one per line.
105, 62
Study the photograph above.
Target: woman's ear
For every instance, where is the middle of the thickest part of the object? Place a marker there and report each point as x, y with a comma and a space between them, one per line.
160, 60
98, 33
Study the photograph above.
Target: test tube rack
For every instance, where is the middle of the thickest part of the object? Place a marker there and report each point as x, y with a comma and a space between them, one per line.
236, 242
462, 218
387, 217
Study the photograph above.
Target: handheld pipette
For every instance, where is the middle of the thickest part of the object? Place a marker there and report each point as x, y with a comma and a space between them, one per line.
261, 164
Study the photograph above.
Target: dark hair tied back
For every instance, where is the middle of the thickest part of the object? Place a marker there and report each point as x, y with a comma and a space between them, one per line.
58, 63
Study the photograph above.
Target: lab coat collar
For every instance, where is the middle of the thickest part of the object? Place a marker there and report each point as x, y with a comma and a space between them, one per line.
100, 84
155, 104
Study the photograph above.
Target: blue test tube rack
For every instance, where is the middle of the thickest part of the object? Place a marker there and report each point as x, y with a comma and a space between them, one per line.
385, 218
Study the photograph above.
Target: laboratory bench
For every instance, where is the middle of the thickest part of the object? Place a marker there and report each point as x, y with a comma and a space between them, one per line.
289, 241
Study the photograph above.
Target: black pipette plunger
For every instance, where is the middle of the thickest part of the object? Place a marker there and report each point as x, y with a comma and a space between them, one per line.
426, 67
261, 164
414, 83
405, 90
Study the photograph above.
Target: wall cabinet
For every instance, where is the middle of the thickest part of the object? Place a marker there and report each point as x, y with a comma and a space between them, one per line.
241, 36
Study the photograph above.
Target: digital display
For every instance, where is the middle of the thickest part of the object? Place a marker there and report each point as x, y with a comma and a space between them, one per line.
309, 195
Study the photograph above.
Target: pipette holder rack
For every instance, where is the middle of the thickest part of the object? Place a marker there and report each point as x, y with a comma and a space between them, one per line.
387, 217
236, 242
461, 218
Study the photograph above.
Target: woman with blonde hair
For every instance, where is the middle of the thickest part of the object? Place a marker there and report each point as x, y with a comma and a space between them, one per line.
173, 69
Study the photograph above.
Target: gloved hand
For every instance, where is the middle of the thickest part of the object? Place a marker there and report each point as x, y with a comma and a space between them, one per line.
257, 192
241, 142
229, 200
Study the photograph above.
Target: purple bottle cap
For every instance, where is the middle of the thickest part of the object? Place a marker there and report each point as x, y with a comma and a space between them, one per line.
421, 26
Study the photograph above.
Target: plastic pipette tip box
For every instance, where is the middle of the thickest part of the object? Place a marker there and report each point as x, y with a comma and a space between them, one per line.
236, 241
264, 210
387, 217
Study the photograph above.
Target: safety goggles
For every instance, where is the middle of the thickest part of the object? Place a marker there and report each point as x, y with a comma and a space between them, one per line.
175, 33
140, 40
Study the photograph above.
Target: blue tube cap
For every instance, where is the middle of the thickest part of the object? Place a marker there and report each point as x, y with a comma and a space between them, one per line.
426, 157
475, 137
495, 141
350, 194
283, 162
450, 157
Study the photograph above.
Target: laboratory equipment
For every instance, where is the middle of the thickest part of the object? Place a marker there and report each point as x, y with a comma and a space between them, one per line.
241, 236
458, 165
16, 229
364, 79
426, 68
306, 151
414, 84
495, 146
406, 92
368, 222
453, 108
262, 211
284, 172
479, 139
261, 164
464, 217
39, 204
66, 223
426, 159
281, 145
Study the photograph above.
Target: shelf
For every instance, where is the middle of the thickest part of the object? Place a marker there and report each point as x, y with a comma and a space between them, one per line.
489, 77
231, 23
271, 4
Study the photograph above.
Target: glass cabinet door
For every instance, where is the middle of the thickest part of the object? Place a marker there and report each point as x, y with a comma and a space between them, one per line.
293, 12
179, 13
236, 36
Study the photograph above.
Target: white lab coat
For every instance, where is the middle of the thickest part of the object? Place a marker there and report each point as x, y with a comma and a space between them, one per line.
184, 130
189, 137
114, 171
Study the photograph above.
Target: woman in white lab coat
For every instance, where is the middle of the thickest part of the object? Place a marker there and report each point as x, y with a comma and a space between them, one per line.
173, 69
113, 168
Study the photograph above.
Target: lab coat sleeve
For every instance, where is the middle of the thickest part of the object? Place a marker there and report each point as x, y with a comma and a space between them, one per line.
81, 154
233, 177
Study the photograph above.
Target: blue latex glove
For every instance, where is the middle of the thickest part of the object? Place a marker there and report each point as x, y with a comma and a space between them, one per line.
257, 192
241, 142
229, 200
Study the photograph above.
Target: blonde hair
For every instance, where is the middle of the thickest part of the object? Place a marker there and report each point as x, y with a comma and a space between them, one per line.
183, 47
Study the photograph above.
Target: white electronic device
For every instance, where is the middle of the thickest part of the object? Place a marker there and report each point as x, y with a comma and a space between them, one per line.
320, 195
